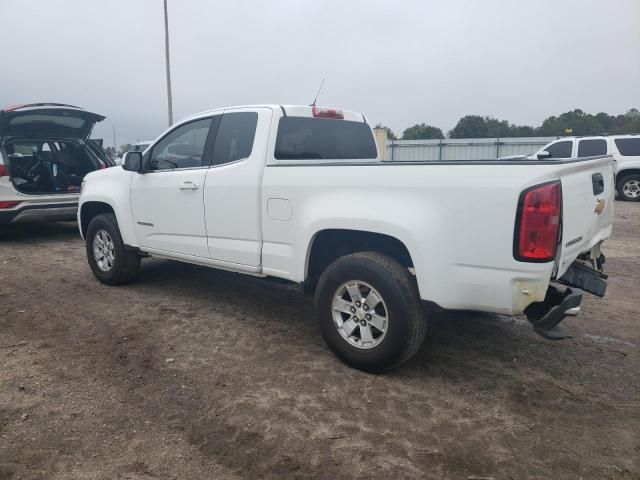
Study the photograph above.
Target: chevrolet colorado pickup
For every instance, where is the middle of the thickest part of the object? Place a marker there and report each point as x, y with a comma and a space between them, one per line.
299, 193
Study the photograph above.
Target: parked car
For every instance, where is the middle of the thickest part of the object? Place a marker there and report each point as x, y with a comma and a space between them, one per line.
44, 156
625, 149
299, 193
137, 147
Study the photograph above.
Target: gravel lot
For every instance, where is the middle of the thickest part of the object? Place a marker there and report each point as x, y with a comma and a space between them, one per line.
192, 373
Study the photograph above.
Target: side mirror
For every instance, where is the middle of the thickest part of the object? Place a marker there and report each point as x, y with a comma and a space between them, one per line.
132, 161
543, 154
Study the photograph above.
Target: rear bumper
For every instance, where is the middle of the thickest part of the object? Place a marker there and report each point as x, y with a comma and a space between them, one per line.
546, 315
39, 213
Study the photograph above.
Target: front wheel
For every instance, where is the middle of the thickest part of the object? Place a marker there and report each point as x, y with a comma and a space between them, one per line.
369, 311
110, 261
628, 187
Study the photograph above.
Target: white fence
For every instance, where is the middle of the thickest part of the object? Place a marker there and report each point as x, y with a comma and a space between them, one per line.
463, 148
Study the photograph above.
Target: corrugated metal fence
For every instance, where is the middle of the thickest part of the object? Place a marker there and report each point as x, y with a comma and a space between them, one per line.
463, 148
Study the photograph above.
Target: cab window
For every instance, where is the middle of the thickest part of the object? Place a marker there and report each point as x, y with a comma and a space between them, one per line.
234, 139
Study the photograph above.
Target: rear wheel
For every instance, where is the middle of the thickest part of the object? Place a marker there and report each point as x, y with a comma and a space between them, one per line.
628, 187
369, 311
108, 258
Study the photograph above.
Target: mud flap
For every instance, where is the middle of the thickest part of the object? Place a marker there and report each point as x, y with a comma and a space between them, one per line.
546, 315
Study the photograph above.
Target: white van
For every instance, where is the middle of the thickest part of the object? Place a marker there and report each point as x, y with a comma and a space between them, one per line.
625, 149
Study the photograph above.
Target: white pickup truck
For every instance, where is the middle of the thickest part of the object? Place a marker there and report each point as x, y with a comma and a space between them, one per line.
298, 193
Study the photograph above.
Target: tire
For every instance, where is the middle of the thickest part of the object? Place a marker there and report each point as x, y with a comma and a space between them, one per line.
399, 304
122, 265
628, 187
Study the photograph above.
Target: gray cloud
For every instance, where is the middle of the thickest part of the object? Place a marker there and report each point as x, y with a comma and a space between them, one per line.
398, 62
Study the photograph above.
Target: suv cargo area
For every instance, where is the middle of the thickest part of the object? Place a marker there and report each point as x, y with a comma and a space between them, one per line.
42, 166
45, 153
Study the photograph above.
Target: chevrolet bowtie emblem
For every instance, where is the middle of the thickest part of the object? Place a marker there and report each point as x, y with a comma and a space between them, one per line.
599, 206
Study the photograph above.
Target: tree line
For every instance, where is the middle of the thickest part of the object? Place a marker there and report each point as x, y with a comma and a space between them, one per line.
575, 122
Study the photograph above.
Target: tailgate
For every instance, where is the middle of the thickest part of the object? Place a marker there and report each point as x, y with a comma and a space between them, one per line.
587, 208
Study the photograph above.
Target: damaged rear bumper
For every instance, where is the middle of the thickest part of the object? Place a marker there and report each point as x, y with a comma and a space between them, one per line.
563, 297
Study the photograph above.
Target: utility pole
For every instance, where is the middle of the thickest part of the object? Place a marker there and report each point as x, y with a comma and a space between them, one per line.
166, 50
115, 145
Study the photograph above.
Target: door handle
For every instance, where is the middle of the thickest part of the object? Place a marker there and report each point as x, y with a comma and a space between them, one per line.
189, 186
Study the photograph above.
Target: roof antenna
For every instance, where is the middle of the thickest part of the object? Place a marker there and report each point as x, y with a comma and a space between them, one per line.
317, 94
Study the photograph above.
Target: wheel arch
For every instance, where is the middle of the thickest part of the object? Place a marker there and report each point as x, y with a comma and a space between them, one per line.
91, 209
327, 245
627, 171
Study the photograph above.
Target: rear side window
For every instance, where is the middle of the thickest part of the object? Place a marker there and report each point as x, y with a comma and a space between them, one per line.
628, 146
560, 149
590, 148
303, 138
234, 140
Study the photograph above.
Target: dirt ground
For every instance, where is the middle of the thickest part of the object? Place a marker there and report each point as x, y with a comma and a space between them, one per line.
196, 374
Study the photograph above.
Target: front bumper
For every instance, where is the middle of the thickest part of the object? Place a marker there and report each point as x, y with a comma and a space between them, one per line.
26, 212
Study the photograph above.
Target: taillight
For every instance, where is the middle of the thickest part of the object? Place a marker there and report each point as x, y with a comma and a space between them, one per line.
538, 223
4, 171
9, 204
327, 113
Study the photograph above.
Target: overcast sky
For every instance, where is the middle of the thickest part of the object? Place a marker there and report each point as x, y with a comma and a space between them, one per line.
399, 62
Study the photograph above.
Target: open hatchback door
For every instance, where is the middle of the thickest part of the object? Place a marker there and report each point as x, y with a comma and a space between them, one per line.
50, 120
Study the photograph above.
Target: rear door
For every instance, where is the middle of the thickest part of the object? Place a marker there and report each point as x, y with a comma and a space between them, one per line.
233, 187
47, 120
587, 207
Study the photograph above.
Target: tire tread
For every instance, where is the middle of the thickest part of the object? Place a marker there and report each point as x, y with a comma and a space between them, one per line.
399, 275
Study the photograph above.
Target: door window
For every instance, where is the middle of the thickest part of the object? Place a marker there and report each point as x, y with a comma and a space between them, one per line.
560, 149
590, 148
234, 140
182, 147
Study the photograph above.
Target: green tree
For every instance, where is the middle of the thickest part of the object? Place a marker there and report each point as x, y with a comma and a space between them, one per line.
476, 126
390, 134
422, 131
470, 126
575, 121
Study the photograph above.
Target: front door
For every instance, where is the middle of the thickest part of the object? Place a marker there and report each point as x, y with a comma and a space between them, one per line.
167, 200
